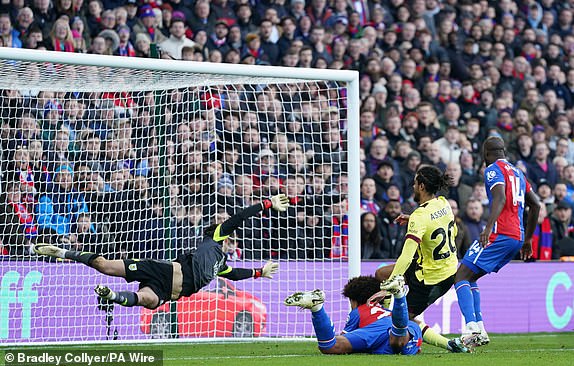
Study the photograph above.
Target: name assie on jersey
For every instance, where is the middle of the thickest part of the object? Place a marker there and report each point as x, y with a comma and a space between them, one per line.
438, 214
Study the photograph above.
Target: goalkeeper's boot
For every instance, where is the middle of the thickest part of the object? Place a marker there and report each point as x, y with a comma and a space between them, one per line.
48, 250
456, 345
306, 299
104, 292
394, 285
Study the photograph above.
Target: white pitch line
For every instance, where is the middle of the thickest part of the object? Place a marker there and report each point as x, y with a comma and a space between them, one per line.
317, 355
231, 357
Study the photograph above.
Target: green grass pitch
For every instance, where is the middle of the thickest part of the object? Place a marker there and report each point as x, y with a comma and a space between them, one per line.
507, 350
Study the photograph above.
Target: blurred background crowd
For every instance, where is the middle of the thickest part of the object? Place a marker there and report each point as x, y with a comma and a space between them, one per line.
102, 171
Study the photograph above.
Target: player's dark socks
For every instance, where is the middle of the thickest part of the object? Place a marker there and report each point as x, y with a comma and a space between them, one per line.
476, 298
83, 257
324, 329
125, 298
400, 317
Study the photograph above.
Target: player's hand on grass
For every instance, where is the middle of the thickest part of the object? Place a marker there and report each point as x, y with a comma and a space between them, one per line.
402, 219
280, 202
269, 269
526, 251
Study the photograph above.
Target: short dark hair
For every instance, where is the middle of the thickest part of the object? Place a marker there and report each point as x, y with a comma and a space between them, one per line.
432, 178
361, 288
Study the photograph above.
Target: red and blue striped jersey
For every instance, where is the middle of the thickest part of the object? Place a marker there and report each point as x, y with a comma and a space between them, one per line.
510, 222
364, 315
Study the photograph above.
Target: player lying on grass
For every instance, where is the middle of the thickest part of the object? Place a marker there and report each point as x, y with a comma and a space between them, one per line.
369, 328
161, 281
430, 235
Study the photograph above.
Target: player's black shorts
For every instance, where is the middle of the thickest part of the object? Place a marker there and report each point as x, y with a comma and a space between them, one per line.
155, 274
421, 296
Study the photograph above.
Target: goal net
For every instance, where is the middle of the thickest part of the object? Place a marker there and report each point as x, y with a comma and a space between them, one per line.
135, 163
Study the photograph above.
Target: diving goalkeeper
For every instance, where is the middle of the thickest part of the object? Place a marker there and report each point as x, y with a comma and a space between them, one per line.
161, 281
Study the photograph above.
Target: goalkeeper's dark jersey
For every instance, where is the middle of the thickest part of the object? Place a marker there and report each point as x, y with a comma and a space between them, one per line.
207, 261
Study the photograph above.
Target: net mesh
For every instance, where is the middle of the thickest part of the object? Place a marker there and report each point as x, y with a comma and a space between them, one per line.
135, 164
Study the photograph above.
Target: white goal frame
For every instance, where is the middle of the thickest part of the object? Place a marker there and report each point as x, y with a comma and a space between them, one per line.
287, 74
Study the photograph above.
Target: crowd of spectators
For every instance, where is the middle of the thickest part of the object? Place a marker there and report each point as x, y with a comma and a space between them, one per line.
436, 78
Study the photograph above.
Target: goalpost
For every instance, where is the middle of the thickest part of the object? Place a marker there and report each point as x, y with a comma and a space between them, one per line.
134, 157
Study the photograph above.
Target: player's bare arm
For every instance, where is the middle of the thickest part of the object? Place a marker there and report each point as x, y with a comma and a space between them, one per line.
498, 202
533, 204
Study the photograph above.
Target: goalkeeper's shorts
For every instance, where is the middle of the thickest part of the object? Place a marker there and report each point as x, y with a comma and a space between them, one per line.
155, 274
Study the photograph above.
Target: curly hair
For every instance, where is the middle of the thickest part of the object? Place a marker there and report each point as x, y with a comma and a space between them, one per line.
361, 288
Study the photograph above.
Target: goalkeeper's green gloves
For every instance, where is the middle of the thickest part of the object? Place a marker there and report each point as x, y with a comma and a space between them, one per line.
268, 270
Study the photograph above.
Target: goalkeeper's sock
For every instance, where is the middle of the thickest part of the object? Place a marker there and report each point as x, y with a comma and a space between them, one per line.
83, 257
400, 315
433, 338
124, 298
476, 298
465, 300
324, 329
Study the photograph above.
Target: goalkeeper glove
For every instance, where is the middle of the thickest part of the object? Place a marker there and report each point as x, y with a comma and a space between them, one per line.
268, 270
280, 202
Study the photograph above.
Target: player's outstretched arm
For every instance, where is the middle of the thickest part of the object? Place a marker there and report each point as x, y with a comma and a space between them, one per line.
278, 202
237, 274
498, 202
533, 203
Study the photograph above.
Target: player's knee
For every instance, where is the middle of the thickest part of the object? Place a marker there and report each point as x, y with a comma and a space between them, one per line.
148, 301
383, 273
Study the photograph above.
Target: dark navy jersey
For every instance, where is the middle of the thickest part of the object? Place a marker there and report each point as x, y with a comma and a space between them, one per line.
202, 265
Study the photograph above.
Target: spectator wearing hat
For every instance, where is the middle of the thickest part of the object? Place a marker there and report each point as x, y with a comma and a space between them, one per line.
177, 39
384, 177
392, 233
131, 7
146, 24
125, 47
253, 48
218, 39
112, 41
562, 227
